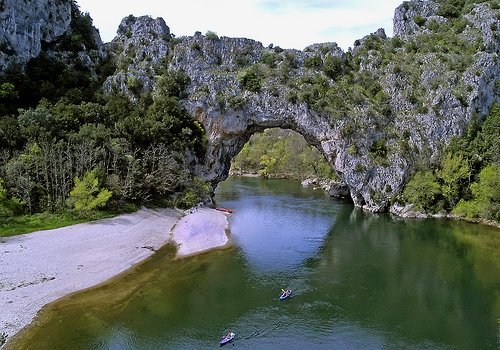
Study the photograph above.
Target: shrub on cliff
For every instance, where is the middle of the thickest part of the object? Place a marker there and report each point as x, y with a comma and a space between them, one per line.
251, 78
422, 190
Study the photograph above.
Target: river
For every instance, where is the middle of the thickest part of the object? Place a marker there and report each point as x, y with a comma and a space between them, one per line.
359, 281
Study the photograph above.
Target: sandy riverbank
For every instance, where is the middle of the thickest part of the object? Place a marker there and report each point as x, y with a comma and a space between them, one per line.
41, 267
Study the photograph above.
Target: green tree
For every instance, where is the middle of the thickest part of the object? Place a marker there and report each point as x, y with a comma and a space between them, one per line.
86, 195
251, 78
197, 192
422, 190
454, 171
23, 175
333, 66
486, 196
268, 164
8, 91
7, 205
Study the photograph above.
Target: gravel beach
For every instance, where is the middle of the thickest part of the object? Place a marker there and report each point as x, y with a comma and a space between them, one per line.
41, 267
201, 230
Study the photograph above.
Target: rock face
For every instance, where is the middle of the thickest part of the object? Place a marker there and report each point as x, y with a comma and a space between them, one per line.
332, 187
55, 29
24, 27
405, 17
140, 50
422, 97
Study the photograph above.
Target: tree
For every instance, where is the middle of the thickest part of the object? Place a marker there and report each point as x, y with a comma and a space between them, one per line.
23, 174
486, 196
7, 205
422, 190
86, 194
453, 172
251, 78
8, 91
333, 67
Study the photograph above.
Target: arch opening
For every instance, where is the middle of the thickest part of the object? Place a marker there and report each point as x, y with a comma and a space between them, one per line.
277, 152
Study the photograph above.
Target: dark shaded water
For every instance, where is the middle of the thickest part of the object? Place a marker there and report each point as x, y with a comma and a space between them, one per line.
360, 281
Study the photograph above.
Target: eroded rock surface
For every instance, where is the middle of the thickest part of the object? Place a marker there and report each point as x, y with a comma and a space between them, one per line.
24, 27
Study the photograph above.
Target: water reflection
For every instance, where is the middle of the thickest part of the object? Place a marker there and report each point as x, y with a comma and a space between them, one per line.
416, 278
360, 281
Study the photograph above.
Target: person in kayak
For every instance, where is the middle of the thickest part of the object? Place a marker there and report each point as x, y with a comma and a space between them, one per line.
286, 292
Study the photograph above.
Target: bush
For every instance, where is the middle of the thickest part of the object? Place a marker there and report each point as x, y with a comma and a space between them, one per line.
486, 196
313, 62
8, 206
422, 190
333, 67
448, 11
197, 192
251, 79
419, 20
378, 148
236, 102
211, 35
454, 171
270, 58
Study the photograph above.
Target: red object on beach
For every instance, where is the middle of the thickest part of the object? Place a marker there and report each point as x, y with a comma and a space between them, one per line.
225, 210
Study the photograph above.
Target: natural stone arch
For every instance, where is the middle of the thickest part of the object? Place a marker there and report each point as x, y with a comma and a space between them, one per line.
225, 148
381, 123
228, 132
215, 74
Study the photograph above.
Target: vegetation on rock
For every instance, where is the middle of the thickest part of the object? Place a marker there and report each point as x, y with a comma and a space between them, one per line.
385, 110
63, 144
467, 179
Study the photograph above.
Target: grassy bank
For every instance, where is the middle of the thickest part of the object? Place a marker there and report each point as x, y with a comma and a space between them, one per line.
45, 221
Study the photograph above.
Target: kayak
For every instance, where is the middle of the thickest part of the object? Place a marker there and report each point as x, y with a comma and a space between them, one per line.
286, 294
227, 339
224, 210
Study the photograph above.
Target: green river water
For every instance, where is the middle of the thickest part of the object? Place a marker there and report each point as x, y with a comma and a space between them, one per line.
360, 281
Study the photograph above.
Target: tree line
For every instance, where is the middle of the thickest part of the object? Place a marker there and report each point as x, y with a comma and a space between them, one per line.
84, 152
466, 180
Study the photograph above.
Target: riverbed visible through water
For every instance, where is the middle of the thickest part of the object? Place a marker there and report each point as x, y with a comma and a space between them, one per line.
359, 281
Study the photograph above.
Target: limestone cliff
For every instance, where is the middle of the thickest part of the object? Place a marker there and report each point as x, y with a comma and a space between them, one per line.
140, 50
24, 28
55, 28
374, 112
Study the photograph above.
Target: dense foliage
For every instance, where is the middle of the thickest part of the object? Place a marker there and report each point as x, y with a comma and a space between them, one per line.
136, 149
351, 91
281, 153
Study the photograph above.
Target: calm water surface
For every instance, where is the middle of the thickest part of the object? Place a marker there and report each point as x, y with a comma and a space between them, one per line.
360, 281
